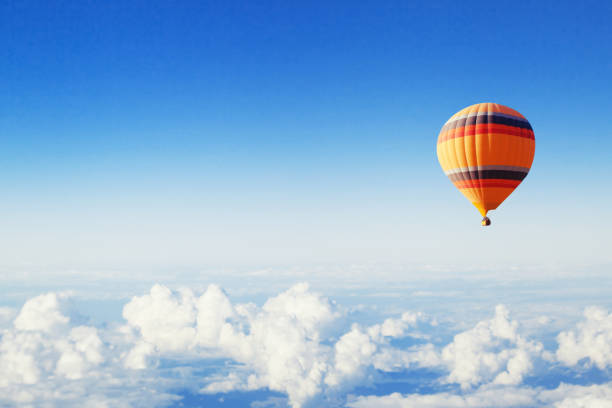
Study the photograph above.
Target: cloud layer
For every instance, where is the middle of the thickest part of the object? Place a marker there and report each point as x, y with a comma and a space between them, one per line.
298, 343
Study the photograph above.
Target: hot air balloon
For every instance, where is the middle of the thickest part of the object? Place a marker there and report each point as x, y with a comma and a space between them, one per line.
486, 150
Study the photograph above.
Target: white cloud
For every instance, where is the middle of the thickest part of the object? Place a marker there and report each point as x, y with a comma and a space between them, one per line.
353, 353
43, 313
491, 351
485, 397
564, 396
592, 339
576, 396
164, 319
214, 308
360, 350
396, 327
281, 345
46, 359
79, 352
394, 359
230, 383
295, 343
41, 343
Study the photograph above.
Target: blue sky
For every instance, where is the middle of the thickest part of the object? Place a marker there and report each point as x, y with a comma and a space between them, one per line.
276, 127
259, 145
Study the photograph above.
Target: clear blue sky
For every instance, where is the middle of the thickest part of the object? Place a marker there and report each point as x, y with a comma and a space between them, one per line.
254, 133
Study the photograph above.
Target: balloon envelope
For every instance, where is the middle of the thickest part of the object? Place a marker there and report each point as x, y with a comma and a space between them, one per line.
486, 150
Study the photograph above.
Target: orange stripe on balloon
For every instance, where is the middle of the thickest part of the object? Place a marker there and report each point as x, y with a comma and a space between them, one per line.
488, 107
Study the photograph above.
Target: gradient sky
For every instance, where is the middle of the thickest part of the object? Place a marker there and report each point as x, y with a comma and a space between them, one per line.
138, 134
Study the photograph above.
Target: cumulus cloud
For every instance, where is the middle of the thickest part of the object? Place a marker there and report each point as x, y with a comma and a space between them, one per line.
564, 396
43, 313
46, 357
164, 319
490, 360
591, 340
283, 345
296, 343
484, 397
41, 343
577, 396
279, 342
491, 351
363, 349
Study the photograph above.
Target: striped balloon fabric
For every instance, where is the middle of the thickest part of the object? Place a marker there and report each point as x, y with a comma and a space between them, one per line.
486, 150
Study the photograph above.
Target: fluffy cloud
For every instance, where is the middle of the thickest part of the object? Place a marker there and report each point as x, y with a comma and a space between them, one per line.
491, 351
363, 349
41, 344
282, 344
43, 313
46, 357
295, 343
576, 396
164, 319
279, 342
592, 340
564, 396
484, 397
